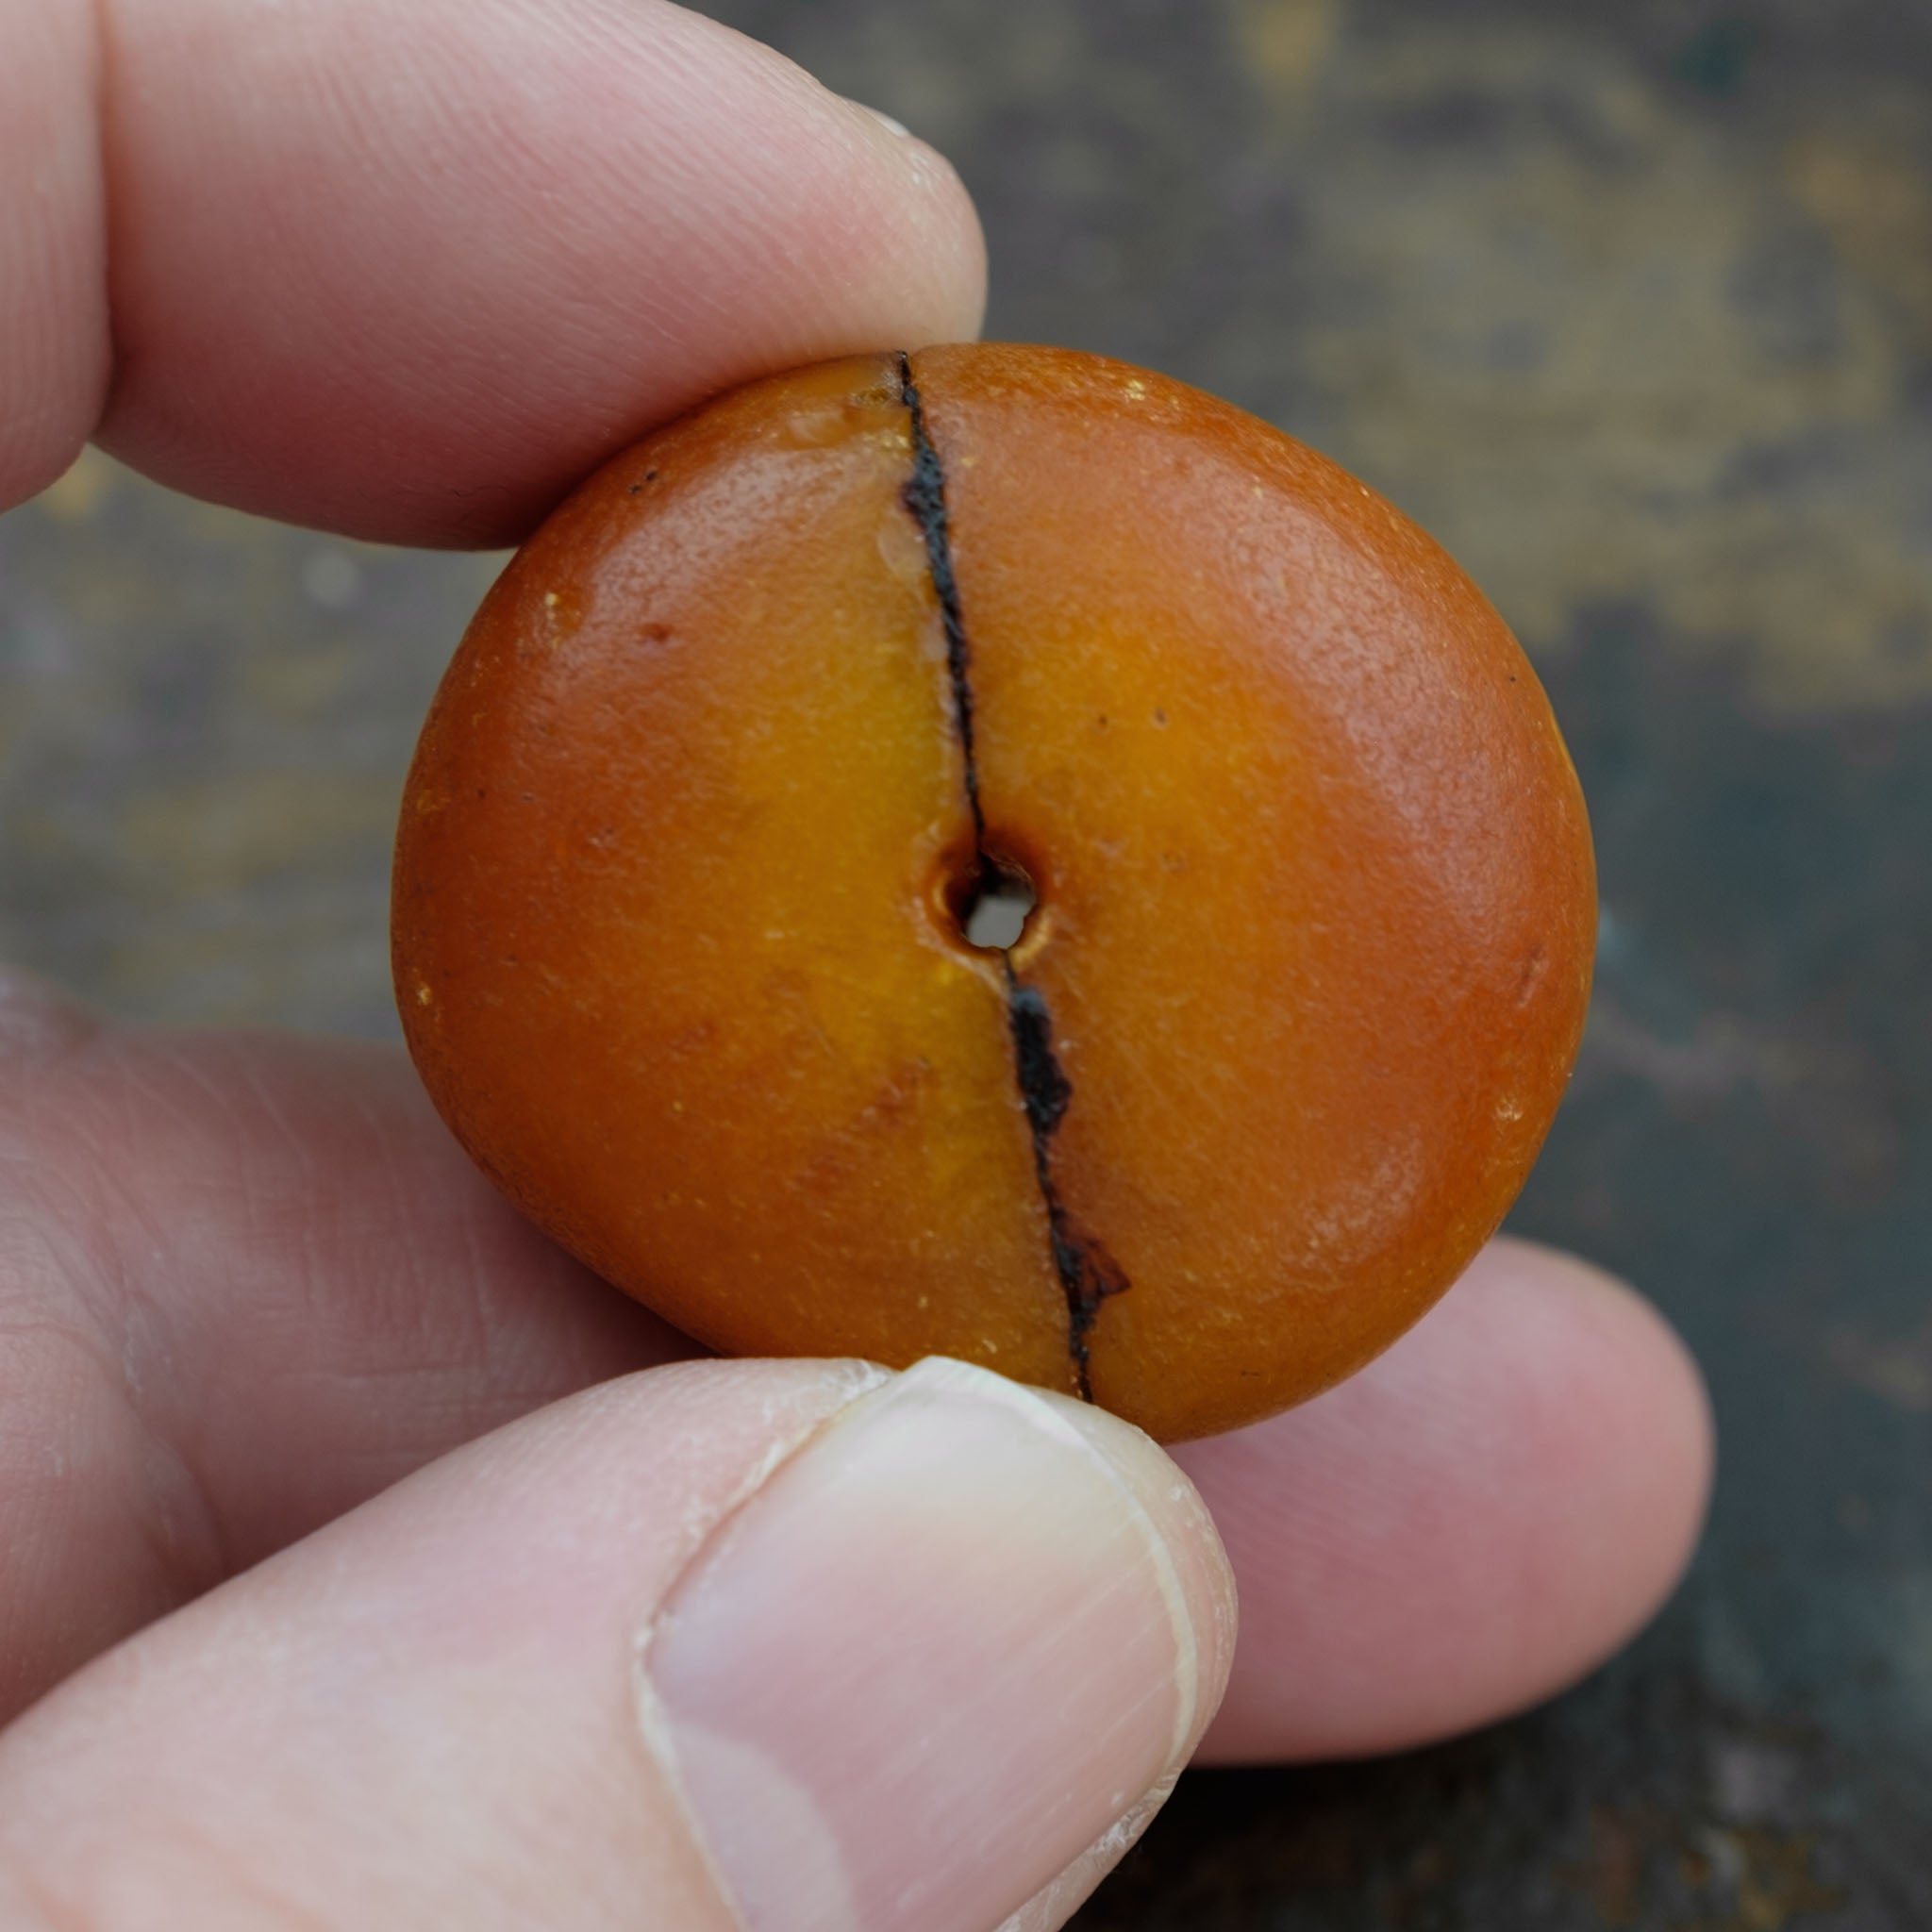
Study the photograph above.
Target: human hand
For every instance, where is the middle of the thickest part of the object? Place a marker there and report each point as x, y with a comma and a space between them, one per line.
410, 1630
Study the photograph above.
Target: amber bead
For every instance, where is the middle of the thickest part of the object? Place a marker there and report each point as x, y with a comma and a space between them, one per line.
743, 731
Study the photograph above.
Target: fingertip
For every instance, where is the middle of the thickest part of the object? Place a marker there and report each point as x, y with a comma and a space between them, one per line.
54, 347
487, 245
1621, 1409
784, 1644
946, 292
1479, 1519
968, 1615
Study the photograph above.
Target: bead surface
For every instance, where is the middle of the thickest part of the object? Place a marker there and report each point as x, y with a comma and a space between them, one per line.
708, 795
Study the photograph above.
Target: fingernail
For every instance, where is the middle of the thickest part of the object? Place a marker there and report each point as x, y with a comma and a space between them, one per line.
944, 1649
885, 120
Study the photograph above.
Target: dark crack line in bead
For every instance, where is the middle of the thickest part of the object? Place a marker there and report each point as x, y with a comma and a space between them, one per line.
925, 495
1088, 1274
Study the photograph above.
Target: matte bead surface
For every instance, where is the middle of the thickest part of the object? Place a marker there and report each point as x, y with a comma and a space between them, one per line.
743, 729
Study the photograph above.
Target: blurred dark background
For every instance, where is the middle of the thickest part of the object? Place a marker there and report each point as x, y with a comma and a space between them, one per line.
1632, 306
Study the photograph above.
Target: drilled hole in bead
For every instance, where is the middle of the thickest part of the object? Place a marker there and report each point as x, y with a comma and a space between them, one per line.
992, 904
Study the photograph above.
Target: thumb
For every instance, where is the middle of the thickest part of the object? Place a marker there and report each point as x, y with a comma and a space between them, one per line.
768, 1645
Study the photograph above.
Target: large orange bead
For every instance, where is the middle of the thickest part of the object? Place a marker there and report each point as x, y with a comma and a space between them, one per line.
744, 730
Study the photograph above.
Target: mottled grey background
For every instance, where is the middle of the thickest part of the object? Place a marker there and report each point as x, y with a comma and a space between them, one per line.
1632, 305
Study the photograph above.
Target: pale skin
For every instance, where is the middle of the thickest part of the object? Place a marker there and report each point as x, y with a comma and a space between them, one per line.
363, 1562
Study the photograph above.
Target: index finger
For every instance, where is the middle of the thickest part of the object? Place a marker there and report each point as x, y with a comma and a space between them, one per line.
408, 272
